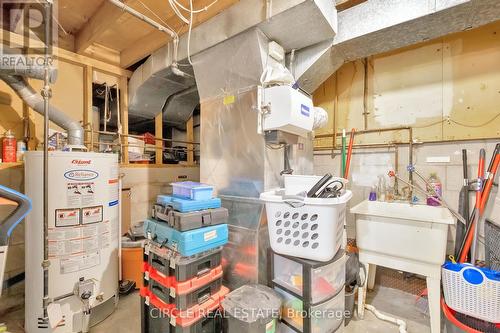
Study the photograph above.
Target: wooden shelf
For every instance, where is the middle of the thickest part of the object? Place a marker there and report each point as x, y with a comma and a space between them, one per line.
11, 165
155, 166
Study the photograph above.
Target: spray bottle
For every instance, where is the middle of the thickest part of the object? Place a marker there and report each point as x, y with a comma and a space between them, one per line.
9, 147
435, 186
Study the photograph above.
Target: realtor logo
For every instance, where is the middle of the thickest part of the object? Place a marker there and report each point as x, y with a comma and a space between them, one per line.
24, 31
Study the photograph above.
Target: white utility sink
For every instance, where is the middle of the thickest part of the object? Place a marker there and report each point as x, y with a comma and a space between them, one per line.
411, 238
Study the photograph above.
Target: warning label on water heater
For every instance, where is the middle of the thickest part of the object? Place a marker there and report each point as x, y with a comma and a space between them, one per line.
67, 217
80, 194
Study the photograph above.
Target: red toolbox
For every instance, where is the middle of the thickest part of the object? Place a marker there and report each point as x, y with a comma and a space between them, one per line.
182, 320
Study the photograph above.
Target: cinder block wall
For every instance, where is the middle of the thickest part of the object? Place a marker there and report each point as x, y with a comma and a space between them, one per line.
368, 164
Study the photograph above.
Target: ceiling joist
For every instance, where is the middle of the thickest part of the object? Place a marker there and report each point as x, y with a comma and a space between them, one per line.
105, 16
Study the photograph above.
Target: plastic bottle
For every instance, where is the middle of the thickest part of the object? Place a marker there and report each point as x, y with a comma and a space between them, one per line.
436, 185
9, 147
21, 149
382, 188
373, 194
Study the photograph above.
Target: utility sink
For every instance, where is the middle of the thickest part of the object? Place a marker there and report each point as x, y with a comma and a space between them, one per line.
411, 238
416, 233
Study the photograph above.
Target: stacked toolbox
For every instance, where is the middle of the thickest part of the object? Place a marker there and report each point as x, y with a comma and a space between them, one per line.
182, 264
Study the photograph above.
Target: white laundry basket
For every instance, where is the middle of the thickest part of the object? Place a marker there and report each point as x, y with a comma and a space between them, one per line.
472, 291
309, 228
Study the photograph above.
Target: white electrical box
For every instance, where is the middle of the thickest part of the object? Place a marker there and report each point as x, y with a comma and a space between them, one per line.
289, 110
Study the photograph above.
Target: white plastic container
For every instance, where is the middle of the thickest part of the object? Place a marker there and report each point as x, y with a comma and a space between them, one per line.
324, 317
326, 280
472, 291
309, 228
192, 190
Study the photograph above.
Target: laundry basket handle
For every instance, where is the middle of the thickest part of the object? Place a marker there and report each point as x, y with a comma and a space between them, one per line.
294, 201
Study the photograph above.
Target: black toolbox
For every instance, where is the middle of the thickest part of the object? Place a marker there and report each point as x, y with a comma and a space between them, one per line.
191, 220
186, 301
171, 263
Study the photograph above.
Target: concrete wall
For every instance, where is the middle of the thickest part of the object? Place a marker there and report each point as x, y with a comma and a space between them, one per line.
446, 89
147, 183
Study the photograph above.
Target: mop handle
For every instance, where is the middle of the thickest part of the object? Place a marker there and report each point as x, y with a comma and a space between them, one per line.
349, 154
473, 228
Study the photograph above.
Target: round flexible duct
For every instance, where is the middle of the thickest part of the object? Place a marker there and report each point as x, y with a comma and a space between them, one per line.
18, 64
35, 101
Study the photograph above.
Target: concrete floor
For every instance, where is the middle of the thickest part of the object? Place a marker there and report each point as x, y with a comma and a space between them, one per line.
126, 318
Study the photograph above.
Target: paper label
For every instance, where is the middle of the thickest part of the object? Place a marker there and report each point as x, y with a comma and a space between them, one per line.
210, 235
54, 313
79, 262
91, 214
67, 217
229, 99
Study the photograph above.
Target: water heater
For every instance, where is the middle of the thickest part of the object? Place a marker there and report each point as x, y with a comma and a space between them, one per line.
83, 238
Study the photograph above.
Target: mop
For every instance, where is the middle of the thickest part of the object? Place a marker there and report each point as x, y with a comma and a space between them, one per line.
480, 204
463, 205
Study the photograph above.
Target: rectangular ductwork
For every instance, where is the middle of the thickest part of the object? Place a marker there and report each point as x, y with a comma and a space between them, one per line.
378, 26
294, 24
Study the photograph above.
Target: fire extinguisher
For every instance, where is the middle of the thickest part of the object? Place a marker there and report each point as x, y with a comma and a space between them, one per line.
9, 147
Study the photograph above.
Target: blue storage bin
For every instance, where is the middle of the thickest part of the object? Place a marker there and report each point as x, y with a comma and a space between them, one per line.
192, 190
186, 243
187, 205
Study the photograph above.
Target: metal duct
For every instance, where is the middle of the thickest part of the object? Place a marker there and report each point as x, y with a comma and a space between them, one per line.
18, 64
180, 107
234, 64
378, 26
35, 101
294, 24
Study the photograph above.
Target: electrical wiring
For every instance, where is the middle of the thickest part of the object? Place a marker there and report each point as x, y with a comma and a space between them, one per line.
195, 11
459, 123
158, 17
177, 11
189, 31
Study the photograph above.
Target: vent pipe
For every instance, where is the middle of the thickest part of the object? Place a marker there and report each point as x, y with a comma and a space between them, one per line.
36, 102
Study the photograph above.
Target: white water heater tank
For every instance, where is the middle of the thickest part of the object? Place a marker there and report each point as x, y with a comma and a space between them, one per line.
83, 237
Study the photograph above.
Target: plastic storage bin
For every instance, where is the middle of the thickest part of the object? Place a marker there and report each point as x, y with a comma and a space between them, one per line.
312, 280
252, 309
192, 190
309, 228
187, 243
183, 287
157, 322
172, 320
171, 263
324, 317
187, 205
472, 291
189, 221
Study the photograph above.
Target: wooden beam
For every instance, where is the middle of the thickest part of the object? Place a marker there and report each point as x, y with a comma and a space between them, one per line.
145, 46
105, 17
346, 4
124, 117
190, 138
87, 105
159, 134
65, 55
